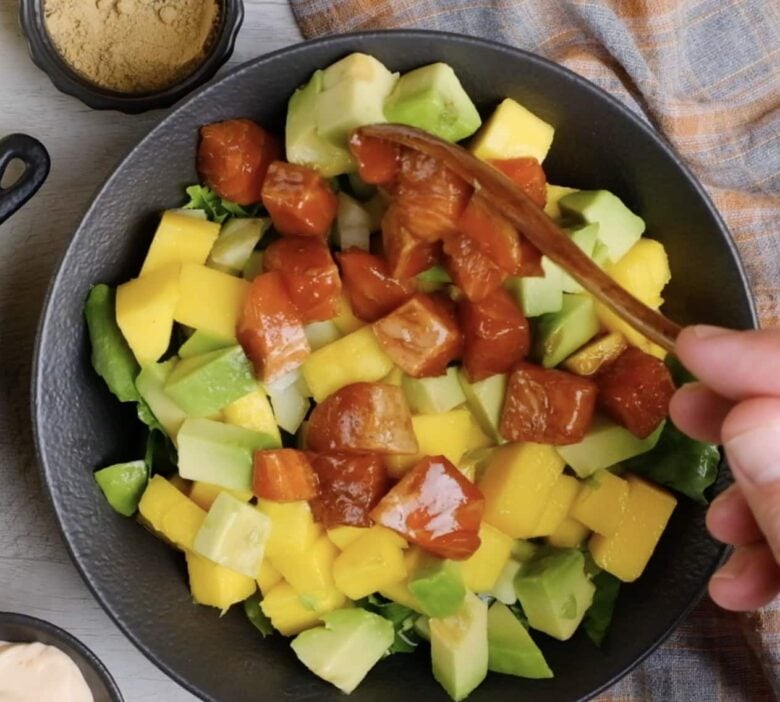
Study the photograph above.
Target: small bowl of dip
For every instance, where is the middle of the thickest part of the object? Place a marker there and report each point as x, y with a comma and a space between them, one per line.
40, 662
130, 55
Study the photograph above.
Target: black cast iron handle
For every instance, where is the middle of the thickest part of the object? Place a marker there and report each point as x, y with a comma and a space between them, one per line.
36, 167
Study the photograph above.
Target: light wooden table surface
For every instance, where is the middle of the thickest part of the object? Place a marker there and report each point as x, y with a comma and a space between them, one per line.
36, 575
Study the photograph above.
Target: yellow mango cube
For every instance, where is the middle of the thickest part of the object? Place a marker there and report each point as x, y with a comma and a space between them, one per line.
170, 513
569, 534
399, 591
253, 412
343, 536
145, 309
601, 504
345, 318
214, 585
446, 434
644, 272
203, 494
477, 438
293, 529
558, 505
513, 132
625, 553
596, 354
310, 572
517, 484
394, 377
287, 613
369, 564
554, 195
210, 300
267, 577
481, 570
180, 239
354, 358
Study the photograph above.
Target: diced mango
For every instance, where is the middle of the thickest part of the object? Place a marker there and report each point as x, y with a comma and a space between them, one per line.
481, 570
477, 438
644, 272
203, 494
180, 239
394, 377
210, 300
253, 412
596, 354
517, 483
343, 536
446, 434
355, 358
310, 572
170, 513
558, 505
145, 310
601, 504
287, 613
345, 319
513, 132
292, 529
626, 553
368, 564
267, 577
569, 534
399, 592
214, 585
554, 195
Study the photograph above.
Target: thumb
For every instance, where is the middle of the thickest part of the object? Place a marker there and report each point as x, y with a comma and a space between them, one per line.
751, 437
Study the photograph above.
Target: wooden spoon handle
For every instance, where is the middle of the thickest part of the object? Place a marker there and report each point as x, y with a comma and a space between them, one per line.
536, 226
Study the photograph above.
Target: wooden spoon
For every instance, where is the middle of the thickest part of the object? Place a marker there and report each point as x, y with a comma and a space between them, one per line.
536, 226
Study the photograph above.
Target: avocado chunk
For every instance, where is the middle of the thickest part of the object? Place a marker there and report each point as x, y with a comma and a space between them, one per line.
585, 237
253, 267
202, 342
485, 399
422, 627
233, 535
432, 98
320, 334
511, 650
559, 334
123, 484
236, 242
346, 648
555, 592
435, 274
151, 386
504, 589
303, 143
438, 586
539, 295
112, 358
619, 227
353, 94
459, 648
219, 453
202, 385
435, 394
605, 444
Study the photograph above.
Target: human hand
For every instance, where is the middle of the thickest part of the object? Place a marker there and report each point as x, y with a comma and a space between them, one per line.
737, 404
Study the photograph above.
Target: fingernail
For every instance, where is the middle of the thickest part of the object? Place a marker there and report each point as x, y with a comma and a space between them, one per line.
707, 331
755, 454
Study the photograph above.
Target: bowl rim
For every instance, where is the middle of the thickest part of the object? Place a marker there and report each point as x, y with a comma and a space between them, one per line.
291, 51
46, 57
60, 634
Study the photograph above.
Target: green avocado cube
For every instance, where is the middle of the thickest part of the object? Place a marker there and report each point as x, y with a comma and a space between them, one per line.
459, 648
433, 99
619, 227
504, 589
202, 385
123, 484
485, 399
202, 342
234, 535
511, 650
435, 394
585, 237
438, 586
346, 648
560, 334
422, 627
604, 445
151, 386
555, 592
539, 295
236, 242
219, 453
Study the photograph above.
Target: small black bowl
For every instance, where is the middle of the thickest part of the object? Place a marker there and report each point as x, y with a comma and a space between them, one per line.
45, 55
19, 628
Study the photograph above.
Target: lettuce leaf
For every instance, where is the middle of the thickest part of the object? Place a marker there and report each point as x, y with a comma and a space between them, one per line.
402, 618
255, 614
599, 615
217, 209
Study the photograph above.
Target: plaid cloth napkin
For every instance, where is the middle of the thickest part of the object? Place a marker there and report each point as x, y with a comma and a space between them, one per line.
707, 74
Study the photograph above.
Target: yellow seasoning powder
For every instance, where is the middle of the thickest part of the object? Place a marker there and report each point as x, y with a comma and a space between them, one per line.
132, 46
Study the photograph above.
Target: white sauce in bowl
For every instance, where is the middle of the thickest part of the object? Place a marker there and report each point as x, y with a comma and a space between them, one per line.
35, 672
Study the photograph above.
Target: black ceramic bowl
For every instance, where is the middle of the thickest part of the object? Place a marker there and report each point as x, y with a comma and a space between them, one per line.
48, 59
19, 628
79, 426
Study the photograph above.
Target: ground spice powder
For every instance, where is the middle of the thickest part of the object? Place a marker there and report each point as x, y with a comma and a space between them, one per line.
132, 46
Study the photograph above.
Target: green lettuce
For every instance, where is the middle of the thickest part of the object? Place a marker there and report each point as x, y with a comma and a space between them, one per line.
255, 614
402, 618
599, 615
217, 209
